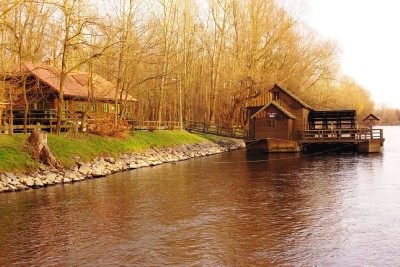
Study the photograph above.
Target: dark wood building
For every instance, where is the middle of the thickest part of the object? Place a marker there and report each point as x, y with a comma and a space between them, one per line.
277, 114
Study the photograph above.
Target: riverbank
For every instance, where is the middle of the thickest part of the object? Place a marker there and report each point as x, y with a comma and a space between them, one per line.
142, 150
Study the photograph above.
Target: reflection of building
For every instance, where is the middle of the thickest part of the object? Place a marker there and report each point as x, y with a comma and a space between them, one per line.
278, 121
82, 92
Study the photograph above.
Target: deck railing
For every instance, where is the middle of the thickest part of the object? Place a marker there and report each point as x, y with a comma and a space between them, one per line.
37, 119
49, 128
204, 127
341, 134
45, 119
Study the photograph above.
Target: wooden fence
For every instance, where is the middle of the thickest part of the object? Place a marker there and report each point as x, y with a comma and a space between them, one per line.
154, 125
204, 127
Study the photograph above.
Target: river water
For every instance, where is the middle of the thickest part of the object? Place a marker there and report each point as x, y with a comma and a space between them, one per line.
235, 209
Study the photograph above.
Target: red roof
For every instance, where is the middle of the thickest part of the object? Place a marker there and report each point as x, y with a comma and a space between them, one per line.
76, 83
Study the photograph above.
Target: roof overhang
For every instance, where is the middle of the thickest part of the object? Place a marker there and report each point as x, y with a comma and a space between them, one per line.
279, 107
294, 97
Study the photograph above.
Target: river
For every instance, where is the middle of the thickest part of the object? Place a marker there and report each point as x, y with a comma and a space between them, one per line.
234, 209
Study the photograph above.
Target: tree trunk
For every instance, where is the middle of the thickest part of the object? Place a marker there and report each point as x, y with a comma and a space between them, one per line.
37, 147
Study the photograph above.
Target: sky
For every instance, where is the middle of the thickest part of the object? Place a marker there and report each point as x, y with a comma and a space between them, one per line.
368, 34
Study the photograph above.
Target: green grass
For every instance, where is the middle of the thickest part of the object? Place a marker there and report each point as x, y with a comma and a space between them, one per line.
11, 157
87, 147
212, 137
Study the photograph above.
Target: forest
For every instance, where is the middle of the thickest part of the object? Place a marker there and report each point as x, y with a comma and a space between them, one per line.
185, 59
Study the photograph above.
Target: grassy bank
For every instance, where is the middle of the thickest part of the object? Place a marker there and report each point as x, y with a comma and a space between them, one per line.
88, 147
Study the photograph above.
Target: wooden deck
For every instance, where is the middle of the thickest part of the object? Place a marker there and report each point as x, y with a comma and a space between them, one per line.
364, 140
340, 135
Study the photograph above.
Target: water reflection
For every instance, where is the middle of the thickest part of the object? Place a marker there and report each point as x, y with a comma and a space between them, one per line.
235, 209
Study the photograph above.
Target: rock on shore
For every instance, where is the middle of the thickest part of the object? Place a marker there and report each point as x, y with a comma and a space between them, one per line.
103, 166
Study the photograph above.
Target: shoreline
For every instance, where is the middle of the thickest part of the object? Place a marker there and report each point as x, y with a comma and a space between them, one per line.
102, 166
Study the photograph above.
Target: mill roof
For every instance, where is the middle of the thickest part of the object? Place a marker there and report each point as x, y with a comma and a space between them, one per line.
301, 102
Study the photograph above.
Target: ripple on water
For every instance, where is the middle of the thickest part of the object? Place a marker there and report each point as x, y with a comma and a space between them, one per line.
336, 209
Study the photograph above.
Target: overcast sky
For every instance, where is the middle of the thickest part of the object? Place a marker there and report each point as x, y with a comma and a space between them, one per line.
368, 32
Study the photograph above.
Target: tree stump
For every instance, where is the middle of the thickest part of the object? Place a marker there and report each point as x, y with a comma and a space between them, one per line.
37, 147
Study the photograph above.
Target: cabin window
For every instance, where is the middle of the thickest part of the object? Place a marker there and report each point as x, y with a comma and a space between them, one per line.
44, 105
275, 95
33, 105
93, 107
271, 123
79, 106
105, 107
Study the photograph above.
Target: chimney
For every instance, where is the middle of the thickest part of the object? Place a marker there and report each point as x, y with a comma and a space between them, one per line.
48, 61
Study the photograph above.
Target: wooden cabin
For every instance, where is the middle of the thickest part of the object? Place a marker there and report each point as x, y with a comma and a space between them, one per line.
277, 114
83, 93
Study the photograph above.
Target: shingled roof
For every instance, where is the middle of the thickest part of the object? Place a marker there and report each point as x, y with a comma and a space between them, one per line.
75, 84
293, 96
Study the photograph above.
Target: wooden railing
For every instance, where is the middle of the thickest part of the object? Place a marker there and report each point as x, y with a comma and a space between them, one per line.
45, 119
154, 125
37, 119
204, 127
341, 134
19, 128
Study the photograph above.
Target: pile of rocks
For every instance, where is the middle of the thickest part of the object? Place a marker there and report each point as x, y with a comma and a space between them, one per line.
102, 166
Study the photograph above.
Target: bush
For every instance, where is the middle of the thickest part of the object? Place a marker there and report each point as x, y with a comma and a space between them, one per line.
109, 127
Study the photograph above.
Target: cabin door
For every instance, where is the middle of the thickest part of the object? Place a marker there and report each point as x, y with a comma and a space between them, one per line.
290, 129
252, 129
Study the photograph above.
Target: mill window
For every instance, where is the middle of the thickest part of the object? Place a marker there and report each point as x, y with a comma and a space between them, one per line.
275, 95
271, 123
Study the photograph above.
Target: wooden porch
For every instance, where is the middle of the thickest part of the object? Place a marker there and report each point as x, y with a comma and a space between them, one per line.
365, 140
46, 119
340, 135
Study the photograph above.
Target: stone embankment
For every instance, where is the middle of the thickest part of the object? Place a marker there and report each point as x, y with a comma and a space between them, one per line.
103, 166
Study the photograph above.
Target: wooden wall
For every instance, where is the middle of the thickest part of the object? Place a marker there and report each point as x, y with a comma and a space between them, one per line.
285, 128
273, 123
279, 131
